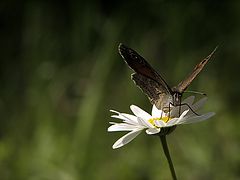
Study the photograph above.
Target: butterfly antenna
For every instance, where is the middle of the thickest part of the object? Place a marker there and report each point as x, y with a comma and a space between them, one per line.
210, 55
214, 50
196, 92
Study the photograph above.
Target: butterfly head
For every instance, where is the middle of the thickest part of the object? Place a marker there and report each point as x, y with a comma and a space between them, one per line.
176, 97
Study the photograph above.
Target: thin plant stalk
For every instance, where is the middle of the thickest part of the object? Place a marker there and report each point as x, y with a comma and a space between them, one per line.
167, 154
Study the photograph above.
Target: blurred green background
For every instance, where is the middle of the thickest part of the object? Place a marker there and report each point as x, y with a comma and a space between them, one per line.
61, 73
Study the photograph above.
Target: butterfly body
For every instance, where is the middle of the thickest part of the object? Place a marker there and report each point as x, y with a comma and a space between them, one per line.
152, 84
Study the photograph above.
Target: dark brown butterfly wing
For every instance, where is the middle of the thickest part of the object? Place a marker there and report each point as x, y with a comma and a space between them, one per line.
182, 86
146, 78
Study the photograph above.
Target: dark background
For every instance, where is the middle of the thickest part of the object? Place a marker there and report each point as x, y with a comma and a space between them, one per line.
61, 73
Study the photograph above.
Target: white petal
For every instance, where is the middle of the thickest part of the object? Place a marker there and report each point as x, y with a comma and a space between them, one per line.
114, 111
131, 119
144, 123
172, 122
184, 105
125, 139
199, 104
123, 127
189, 100
128, 118
184, 113
175, 111
153, 130
160, 123
113, 122
176, 121
156, 112
139, 112
118, 117
194, 119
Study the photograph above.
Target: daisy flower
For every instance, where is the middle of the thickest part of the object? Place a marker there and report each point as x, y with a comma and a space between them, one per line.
158, 121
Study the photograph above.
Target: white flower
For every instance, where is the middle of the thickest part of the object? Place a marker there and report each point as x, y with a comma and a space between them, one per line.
153, 123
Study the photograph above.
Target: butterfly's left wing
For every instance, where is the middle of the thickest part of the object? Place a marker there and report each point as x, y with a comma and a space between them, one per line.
146, 78
182, 86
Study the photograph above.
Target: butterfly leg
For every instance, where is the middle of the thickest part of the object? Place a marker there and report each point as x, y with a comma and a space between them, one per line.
184, 104
174, 106
169, 110
161, 115
190, 108
166, 110
179, 109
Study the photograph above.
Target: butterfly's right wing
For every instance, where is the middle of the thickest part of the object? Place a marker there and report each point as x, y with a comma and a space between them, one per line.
146, 78
182, 86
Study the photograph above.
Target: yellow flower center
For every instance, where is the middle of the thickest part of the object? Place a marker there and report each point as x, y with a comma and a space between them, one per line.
165, 119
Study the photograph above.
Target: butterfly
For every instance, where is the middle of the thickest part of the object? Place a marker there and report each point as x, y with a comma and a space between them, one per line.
152, 83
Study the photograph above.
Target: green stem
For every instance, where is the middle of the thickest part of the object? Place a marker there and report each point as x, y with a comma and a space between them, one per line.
167, 154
